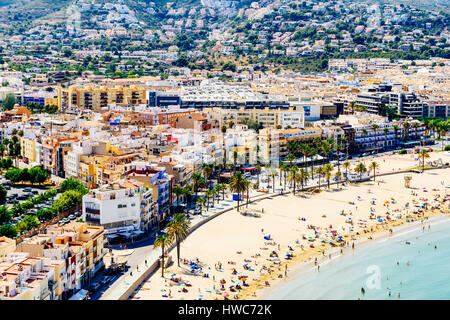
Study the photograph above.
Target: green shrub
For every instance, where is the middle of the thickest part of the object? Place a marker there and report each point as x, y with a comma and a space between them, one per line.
403, 151
447, 148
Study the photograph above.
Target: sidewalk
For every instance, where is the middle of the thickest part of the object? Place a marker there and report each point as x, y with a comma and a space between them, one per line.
123, 283
129, 279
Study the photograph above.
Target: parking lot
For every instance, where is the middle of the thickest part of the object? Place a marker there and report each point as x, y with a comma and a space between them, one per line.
18, 195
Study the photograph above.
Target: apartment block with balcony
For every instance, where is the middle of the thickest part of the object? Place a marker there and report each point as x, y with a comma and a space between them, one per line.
273, 143
156, 179
97, 97
115, 206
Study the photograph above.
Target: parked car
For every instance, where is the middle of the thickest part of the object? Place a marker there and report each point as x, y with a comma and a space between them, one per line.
94, 286
105, 280
27, 190
197, 210
35, 192
7, 187
71, 217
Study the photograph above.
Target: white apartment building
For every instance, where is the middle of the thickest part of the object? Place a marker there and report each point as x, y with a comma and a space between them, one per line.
116, 206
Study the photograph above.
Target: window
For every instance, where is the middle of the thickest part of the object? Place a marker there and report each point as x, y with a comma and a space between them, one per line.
121, 206
133, 204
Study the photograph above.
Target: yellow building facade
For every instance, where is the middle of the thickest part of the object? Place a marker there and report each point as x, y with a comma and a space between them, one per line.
97, 97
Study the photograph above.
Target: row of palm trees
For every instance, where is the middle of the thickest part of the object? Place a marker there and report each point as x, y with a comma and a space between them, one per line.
178, 227
177, 230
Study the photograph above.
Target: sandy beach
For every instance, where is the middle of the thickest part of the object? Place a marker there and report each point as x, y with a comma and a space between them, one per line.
235, 256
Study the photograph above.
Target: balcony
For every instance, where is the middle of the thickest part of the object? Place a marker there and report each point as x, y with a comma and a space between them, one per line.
92, 210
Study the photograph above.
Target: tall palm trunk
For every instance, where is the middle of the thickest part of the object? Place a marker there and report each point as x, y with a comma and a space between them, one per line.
247, 196
162, 262
238, 196
178, 249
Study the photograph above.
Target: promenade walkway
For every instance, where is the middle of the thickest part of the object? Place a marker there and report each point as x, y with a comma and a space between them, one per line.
128, 282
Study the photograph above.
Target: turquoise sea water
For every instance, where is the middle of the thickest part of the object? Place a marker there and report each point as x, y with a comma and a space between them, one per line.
373, 266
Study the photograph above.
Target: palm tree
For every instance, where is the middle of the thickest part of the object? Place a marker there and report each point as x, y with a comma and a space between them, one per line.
2, 149
339, 148
443, 128
360, 168
280, 167
406, 126
268, 165
312, 152
273, 175
286, 167
328, 168
177, 191
221, 187
414, 126
303, 177
293, 176
196, 178
428, 122
435, 125
238, 185
162, 241
248, 184
187, 193
423, 154
338, 176
208, 194
304, 151
290, 158
346, 165
320, 171
178, 229
364, 133
201, 202
213, 195
258, 172
208, 169
326, 149
374, 166
396, 129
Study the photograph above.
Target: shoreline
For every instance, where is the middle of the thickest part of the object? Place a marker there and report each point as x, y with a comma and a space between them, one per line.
304, 262
302, 269
281, 220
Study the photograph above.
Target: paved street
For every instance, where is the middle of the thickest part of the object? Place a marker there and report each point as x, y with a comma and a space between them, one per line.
144, 249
